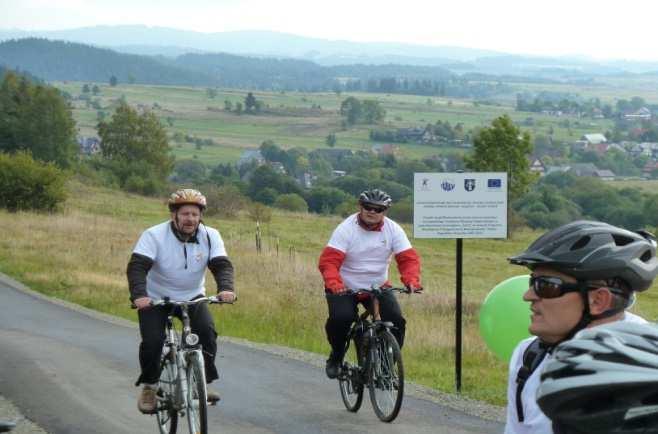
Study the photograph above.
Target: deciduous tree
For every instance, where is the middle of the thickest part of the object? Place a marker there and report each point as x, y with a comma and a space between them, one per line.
137, 145
502, 147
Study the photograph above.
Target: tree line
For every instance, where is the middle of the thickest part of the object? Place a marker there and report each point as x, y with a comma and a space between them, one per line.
59, 60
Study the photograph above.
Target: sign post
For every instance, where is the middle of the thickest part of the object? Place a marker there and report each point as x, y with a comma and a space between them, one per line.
460, 205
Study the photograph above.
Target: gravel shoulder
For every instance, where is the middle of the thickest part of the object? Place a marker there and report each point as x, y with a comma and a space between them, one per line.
9, 413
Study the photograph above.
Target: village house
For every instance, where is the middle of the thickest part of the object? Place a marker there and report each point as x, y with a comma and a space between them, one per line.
251, 155
89, 145
384, 149
649, 168
643, 114
594, 139
604, 174
537, 166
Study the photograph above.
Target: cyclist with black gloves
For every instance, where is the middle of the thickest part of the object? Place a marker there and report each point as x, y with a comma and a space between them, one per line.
170, 260
357, 257
583, 274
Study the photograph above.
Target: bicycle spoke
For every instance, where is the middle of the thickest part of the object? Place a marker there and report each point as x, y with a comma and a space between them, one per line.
387, 378
196, 395
349, 380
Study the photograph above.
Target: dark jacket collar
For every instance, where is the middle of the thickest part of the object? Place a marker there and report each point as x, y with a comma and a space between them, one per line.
180, 237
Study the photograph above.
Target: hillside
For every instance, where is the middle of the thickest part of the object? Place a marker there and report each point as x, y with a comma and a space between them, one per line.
280, 289
59, 60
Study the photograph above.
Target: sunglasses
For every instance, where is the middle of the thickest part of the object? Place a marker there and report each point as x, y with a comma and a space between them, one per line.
552, 287
376, 209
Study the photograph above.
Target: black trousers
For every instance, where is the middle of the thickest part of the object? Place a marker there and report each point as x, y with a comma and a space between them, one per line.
343, 312
152, 323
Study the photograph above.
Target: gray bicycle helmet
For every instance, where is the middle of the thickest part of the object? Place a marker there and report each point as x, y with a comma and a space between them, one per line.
375, 197
604, 380
589, 250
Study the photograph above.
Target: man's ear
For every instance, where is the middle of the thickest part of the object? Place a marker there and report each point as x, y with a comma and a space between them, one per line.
600, 300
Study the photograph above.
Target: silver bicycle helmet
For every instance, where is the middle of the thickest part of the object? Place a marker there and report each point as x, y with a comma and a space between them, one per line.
604, 380
375, 197
589, 250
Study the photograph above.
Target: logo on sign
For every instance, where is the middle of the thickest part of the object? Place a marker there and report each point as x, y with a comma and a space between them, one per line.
448, 185
469, 184
494, 183
425, 185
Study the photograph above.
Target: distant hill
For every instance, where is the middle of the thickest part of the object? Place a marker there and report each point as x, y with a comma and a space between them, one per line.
139, 39
168, 42
59, 60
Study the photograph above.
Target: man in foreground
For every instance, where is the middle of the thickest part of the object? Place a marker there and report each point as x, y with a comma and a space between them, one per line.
583, 274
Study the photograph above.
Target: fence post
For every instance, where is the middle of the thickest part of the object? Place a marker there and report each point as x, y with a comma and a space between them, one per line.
258, 238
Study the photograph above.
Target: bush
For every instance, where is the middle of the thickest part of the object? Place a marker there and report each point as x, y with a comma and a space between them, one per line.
26, 184
145, 185
225, 201
346, 208
291, 202
403, 211
260, 213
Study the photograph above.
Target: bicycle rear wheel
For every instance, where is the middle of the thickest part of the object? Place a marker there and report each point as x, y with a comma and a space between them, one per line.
386, 385
350, 379
197, 398
166, 416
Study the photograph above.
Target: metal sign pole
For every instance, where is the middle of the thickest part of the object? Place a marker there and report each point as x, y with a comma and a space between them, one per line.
458, 318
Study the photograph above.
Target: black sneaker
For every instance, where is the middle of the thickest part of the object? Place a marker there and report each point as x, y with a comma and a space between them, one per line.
333, 368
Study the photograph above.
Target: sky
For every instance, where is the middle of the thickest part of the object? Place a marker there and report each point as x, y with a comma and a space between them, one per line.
602, 29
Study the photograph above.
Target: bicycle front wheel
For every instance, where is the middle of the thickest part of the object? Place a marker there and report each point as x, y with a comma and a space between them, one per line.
197, 400
350, 380
386, 385
166, 416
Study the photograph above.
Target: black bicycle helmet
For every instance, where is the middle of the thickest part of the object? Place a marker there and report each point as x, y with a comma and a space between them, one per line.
589, 250
375, 197
604, 380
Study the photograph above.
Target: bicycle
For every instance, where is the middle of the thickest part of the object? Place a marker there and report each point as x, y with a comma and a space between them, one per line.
182, 385
373, 359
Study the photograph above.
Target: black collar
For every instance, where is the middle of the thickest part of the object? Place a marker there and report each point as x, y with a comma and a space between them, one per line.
180, 237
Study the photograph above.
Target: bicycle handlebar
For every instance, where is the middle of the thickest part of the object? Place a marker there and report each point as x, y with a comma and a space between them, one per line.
376, 290
213, 299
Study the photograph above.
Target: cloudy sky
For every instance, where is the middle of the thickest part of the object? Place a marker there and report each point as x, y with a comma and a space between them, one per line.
598, 29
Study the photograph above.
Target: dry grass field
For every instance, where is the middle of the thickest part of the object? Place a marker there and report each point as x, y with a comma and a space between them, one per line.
80, 255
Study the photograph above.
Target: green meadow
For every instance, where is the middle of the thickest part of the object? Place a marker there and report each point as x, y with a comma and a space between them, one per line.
295, 119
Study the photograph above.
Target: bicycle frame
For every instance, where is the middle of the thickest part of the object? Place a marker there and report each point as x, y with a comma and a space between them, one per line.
372, 367
180, 352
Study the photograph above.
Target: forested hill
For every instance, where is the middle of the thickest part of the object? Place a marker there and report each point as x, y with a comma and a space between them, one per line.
59, 60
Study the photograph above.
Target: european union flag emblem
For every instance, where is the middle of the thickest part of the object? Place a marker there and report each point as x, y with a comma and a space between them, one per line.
494, 183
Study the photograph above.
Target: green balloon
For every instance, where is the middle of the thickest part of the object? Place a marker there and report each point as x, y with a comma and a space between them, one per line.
505, 317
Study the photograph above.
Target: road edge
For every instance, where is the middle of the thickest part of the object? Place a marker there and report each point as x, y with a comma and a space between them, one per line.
456, 402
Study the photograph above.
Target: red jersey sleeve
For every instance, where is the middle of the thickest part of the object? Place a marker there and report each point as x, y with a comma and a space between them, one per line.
330, 262
409, 265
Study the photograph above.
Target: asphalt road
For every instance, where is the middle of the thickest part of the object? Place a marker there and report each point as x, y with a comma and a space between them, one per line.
73, 373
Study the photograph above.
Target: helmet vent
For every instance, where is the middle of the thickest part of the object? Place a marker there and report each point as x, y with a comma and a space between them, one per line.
621, 240
646, 256
582, 242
